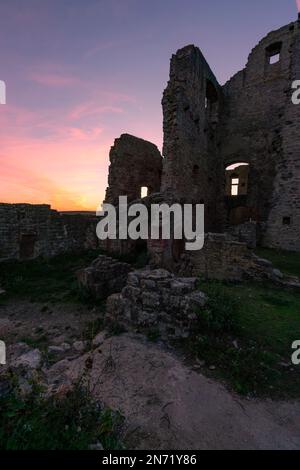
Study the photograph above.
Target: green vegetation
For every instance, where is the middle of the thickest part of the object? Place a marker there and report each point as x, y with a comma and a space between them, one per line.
54, 279
245, 335
288, 262
73, 422
45, 280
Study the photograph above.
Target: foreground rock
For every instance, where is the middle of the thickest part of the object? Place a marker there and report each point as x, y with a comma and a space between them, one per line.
156, 299
169, 406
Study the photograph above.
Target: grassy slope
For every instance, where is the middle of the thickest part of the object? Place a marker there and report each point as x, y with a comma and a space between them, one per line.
265, 323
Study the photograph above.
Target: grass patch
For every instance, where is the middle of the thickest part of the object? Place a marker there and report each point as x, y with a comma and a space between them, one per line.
45, 280
54, 279
70, 423
287, 261
246, 332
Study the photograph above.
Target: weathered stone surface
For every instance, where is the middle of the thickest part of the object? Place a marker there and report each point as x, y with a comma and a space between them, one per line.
99, 338
79, 346
250, 119
168, 307
134, 163
28, 231
104, 277
224, 259
32, 359
5, 326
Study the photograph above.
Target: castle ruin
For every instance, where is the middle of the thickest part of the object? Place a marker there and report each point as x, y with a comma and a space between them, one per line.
235, 148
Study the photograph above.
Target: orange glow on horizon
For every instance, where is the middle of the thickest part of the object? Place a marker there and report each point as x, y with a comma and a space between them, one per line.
67, 169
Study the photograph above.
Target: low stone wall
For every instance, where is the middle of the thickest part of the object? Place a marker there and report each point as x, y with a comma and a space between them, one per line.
103, 277
245, 233
28, 231
224, 259
157, 300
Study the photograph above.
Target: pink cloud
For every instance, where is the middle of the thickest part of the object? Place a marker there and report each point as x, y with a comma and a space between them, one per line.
76, 133
54, 80
53, 75
102, 47
298, 4
92, 109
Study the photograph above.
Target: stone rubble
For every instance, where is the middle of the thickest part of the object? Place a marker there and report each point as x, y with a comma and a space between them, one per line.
103, 277
157, 300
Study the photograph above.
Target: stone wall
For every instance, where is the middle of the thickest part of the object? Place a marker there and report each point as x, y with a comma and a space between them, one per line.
250, 119
134, 163
157, 300
191, 103
224, 259
103, 277
28, 231
261, 126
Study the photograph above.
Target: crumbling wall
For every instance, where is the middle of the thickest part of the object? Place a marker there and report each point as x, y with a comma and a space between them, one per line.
157, 300
250, 119
225, 259
191, 106
28, 231
104, 277
134, 163
260, 126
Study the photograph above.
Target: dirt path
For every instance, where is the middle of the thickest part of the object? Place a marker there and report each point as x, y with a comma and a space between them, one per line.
166, 404
169, 406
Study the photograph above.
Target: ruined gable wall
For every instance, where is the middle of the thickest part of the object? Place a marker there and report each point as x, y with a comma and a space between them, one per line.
191, 169
259, 125
28, 231
134, 163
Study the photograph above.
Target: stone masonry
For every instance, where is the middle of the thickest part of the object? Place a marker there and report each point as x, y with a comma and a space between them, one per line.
134, 163
103, 277
28, 231
210, 130
157, 300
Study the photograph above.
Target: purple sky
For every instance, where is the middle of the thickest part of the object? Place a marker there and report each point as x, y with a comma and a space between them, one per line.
81, 72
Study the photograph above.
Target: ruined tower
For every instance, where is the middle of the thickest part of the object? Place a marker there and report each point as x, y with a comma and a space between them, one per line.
251, 120
234, 148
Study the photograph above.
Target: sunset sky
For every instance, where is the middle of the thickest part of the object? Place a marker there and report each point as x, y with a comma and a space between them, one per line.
81, 72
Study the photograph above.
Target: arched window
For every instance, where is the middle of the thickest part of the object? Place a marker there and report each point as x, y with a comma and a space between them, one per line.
237, 179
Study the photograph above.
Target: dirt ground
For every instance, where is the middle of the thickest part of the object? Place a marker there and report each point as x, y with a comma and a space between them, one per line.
166, 404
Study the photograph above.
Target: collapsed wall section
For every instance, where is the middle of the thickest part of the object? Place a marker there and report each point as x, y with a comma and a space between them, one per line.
134, 164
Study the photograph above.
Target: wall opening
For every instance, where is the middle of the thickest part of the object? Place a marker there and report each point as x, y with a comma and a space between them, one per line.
234, 190
236, 179
144, 191
27, 244
286, 221
273, 53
